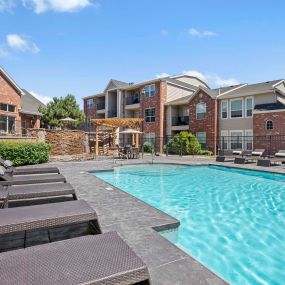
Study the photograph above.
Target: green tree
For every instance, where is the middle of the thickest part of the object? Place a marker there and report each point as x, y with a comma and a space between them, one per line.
186, 142
61, 108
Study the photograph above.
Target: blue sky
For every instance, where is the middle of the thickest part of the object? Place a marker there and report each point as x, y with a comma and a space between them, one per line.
55, 47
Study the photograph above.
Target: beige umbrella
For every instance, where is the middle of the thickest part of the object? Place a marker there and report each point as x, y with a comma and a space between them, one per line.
133, 132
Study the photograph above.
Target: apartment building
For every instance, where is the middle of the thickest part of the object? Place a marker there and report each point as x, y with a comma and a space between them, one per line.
18, 108
229, 117
155, 100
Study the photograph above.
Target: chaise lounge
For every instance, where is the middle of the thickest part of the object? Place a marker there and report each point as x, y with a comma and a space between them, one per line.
227, 155
249, 156
27, 170
23, 192
278, 158
103, 259
7, 178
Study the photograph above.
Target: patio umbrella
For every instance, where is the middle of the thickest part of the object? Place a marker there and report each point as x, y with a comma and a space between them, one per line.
130, 131
68, 119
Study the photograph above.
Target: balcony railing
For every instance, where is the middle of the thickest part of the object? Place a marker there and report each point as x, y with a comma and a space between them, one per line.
112, 113
100, 106
132, 100
180, 121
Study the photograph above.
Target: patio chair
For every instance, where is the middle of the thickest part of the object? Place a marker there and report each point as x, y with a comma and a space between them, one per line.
27, 170
278, 158
52, 220
99, 260
249, 156
23, 192
227, 155
7, 178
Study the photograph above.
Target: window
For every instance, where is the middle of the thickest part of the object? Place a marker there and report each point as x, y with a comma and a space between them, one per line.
200, 111
236, 108
7, 107
269, 125
149, 90
149, 137
90, 103
236, 139
224, 140
201, 137
248, 139
149, 115
248, 107
7, 124
224, 109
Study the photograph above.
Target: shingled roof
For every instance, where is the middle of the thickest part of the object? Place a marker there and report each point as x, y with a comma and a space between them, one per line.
29, 104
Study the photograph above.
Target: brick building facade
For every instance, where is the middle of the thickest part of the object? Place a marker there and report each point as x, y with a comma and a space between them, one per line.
18, 108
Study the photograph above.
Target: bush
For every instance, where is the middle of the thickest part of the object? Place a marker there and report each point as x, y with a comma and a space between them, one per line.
147, 147
186, 142
206, 152
24, 153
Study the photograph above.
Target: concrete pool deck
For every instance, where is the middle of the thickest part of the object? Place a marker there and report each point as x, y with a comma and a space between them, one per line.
135, 221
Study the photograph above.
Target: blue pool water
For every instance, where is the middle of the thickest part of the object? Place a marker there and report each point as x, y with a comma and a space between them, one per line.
232, 221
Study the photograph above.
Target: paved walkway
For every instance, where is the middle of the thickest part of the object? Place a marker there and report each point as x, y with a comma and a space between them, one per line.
134, 220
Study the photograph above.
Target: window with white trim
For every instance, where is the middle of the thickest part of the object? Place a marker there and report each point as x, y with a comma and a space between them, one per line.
149, 115
201, 111
269, 125
236, 108
90, 103
224, 144
224, 109
248, 107
7, 107
201, 137
248, 139
7, 124
236, 139
149, 90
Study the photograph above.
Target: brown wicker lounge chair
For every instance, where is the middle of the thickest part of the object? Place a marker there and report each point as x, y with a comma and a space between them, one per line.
19, 192
277, 159
27, 170
13, 220
7, 178
249, 156
98, 260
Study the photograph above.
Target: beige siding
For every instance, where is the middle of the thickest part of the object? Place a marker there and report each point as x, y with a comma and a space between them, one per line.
281, 87
265, 98
175, 92
192, 81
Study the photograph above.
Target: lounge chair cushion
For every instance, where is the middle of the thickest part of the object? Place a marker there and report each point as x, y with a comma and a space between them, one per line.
8, 163
257, 153
280, 154
237, 152
2, 170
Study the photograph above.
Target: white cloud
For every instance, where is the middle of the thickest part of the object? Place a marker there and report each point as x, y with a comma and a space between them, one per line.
161, 75
44, 99
3, 52
6, 5
212, 79
201, 34
164, 32
41, 6
20, 43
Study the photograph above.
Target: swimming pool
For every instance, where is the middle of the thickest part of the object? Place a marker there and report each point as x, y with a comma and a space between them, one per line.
232, 221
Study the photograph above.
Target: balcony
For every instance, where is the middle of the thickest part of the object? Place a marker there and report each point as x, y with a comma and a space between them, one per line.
100, 106
180, 121
132, 100
112, 113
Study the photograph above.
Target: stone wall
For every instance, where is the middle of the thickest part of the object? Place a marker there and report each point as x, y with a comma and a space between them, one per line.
63, 142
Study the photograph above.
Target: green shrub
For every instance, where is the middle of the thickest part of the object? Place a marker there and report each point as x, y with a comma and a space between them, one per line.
185, 142
206, 152
147, 147
23, 153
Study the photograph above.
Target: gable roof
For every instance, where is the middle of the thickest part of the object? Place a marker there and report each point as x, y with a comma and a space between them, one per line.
115, 84
29, 104
180, 101
181, 83
190, 76
11, 81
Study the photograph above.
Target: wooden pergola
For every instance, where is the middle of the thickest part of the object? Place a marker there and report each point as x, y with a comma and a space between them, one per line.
114, 123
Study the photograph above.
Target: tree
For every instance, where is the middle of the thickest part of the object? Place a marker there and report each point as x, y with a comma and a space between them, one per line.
184, 142
61, 108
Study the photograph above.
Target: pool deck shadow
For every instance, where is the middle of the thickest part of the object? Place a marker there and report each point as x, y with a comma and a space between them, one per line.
137, 223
